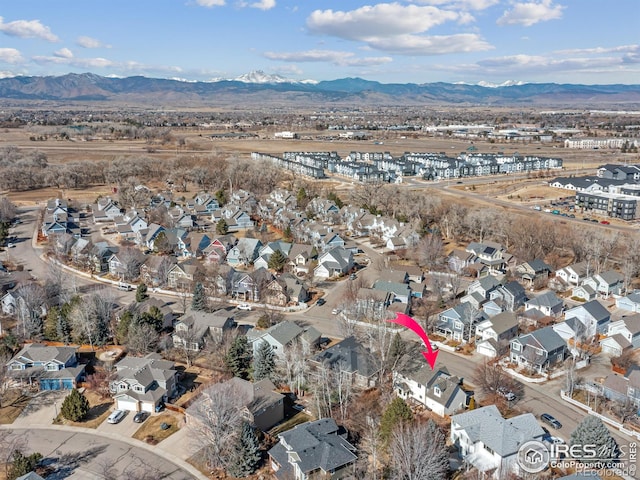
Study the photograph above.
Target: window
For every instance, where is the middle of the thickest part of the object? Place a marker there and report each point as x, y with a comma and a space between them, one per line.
515, 346
436, 391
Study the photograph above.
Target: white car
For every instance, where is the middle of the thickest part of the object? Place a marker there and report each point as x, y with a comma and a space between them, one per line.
116, 416
244, 306
11, 245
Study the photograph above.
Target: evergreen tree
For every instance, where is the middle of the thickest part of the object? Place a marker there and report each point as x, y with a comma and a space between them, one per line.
238, 358
221, 196
63, 328
222, 227
264, 362
153, 317
277, 261
75, 406
122, 330
396, 413
247, 453
287, 234
592, 431
397, 349
51, 324
141, 293
21, 464
199, 300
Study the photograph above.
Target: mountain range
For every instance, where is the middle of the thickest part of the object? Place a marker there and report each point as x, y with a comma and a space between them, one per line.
258, 88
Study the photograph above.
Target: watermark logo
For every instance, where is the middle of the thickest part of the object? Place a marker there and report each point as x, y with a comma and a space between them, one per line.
533, 456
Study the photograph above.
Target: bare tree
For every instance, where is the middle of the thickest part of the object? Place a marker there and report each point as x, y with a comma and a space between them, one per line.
131, 258
429, 250
5, 357
30, 300
490, 377
217, 417
142, 338
418, 451
291, 365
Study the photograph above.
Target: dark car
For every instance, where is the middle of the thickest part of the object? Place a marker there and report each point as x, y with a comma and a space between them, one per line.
140, 417
550, 420
321, 301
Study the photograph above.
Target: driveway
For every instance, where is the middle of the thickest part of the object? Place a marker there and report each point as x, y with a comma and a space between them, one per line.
42, 408
125, 428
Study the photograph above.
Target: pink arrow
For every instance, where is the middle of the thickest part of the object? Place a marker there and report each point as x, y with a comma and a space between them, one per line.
406, 321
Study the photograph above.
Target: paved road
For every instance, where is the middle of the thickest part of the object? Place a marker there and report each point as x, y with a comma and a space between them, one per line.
86, 455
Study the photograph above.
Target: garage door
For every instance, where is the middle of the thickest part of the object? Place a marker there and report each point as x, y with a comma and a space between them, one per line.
124, 404
148, 407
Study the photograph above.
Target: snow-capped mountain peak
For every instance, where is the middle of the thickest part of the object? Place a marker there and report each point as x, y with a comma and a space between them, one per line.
260, 77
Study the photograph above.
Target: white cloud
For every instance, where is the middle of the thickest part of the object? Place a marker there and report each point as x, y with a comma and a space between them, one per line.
89, 42
598, 50
27, 29
63, 53
264, 4
381, 20
210, 3
10, 55
431, 45
530, 13
395, 28
334, 57
460, 4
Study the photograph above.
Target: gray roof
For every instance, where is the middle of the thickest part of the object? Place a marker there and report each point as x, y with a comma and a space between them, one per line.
349, 356
503, 436
200, 322
547, 299
37, 352
594, 308
632, 322
503, 322
283, 332
545, 337
316, 445
611, 277
259, 395
30, 476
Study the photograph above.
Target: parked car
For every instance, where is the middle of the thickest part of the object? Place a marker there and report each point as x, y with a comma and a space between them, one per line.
244, 306
140, 417
550, 420
321, 301
352, 276
605, 222
116, 416
11, 245
335, 311
506, 393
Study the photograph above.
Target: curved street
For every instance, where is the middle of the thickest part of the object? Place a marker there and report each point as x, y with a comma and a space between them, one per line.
85, 454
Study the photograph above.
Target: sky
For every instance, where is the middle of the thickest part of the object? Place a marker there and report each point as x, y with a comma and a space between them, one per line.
403, 41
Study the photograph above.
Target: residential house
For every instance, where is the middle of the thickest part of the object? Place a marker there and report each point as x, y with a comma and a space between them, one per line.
489, 442
622, 334
631, 302
284, 334
511, 296
300, 257
483, 286
148, 305
574, 274
488, 254
142, 384
100, 255
269, 249
401, 291
459, 260
244, 252
16, 302
371, 303
250, 286
194, 244
437, 390
533, 272
147, 236
548, 304
352, 358
313, 450
459, 323
49, 367
333, 263
182, 275
585, 291
105, 210
539, 350
154, 269
494, 334
606, 284
195, 328
262, 405
593, 315
284, 290
623, 388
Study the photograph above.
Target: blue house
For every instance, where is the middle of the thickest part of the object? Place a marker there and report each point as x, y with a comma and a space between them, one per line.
52, 368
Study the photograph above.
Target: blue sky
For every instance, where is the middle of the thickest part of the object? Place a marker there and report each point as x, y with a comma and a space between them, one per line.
418, 41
